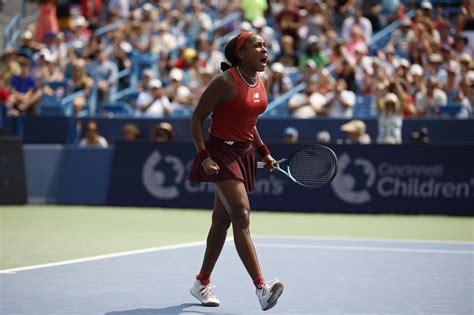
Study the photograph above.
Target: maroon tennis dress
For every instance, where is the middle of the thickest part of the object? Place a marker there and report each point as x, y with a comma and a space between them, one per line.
231, 135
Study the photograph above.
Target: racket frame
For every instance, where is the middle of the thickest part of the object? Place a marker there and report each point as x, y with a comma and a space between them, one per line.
288, 174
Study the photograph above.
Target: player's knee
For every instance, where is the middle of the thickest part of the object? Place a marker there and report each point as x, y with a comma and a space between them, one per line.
241, 218
221, 222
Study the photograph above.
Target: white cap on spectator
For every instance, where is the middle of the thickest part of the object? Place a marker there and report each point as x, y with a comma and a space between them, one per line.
416, 69
426, 5
27, 35
183, 92
404, 63
80, 21
176, 74
323, 136
259, 22
406, 22
355, 126
245, 26
465, 57
435, 57
147, 7
154, 84
278, 67
470, 75
313, 39
126, 47
49, 57
147, 73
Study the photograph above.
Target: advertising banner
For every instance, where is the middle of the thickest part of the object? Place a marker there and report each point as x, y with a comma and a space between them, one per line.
370, 179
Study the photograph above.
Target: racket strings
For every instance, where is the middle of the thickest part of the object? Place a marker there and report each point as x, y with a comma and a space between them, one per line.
313, 166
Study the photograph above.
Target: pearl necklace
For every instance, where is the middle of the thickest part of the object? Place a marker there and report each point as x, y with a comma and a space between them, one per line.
253, 82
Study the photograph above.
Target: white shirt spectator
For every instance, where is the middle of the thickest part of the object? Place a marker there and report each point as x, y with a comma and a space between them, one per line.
158, 106
364, 25
122, 7
421, 100
101, 143
336, 110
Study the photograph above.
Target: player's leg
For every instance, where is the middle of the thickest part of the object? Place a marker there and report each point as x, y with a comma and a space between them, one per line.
234, 197
216, 238
233, 194
202, 288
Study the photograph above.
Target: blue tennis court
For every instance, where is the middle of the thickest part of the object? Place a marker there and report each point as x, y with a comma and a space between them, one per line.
321, 275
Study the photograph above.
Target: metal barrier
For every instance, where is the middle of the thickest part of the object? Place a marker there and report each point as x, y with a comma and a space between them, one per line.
11, 32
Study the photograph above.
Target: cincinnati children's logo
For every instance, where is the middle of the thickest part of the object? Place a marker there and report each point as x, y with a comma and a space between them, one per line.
358, 181
345, 184
154, 178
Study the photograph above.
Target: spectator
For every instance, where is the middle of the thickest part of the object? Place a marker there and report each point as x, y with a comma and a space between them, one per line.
289, 20
105, 74
120, 8
323, 137
280, 82
253, 9
47, 22
130, 132
308, 104
417, 83
80, 81
164, 41
400, 37
372, 10
25, 94
154, 102
317, 19
176, 80
357, 20
147, 76
312, 52
430, 98
120, 58
288, 56
355, 132
28, 46
290, 135
390, 119
79, 28
182, 102
163, 132
340, 103
9, 65
92, 138
451, 87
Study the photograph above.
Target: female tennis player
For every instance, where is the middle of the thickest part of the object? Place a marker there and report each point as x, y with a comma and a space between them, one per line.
235, 98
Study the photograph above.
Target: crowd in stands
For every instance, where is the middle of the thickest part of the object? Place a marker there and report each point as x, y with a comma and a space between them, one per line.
173, 49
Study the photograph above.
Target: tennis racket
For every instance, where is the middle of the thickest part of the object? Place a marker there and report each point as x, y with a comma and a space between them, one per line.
311, 166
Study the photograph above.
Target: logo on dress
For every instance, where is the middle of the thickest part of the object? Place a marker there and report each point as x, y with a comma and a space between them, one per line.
256, 97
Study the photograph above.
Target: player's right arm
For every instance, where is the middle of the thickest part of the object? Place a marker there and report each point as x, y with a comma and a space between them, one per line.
220, 89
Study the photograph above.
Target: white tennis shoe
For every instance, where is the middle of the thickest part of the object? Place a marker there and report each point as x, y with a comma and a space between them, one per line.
269, 292
204, 294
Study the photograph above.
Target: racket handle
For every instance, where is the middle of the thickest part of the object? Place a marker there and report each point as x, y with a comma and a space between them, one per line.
260, 164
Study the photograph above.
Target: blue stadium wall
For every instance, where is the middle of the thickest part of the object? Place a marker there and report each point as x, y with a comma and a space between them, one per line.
434, 179
63, 129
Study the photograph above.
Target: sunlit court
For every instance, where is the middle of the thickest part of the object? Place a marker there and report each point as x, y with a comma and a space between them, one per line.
236, 157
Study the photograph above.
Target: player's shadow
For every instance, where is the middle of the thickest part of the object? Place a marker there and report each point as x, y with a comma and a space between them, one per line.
171, 310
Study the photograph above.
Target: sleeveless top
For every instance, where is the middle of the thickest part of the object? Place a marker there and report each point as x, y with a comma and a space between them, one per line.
234, 120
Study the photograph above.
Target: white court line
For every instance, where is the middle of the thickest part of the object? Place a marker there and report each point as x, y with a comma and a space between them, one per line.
358, 239
368, 248
200, 243
99, 257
